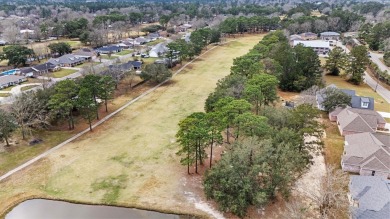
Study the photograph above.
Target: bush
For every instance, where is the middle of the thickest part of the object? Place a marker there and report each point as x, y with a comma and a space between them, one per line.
386, 58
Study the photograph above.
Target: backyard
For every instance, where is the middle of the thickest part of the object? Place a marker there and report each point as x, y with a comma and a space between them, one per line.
62, 73
130, 160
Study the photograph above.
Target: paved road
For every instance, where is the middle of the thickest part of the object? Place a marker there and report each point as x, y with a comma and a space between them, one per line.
370, 81
375, 57
28, 163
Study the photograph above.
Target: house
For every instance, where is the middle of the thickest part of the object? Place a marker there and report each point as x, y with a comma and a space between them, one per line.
109, 49
367, 154
140, 41
330, 36
356, 101
369, 197
352, 120
128, 66
153, 36
67, 60
124, 45
10, 80
87, 53
137, 65
293, 38
308, 36
319, 46
158, 50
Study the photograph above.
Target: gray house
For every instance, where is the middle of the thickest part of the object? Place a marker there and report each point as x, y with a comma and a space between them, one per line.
367, 154
330, 36
357, 102
68, 60
10, 80
369, 197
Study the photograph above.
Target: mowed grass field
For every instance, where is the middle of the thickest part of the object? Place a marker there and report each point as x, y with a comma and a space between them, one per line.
130, 160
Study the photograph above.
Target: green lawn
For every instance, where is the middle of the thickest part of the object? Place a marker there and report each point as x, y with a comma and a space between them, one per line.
334, 143
73, 44
62, 73
155, 42
124, 52
5, 94
28, 87
361, 90
88, 64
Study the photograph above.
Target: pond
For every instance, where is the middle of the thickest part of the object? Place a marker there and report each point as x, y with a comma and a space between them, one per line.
42, 209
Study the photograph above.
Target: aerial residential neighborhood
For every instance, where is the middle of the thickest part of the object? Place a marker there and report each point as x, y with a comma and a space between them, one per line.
194, 109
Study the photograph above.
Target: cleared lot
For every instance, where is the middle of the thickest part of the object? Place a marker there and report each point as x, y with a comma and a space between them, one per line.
130, 160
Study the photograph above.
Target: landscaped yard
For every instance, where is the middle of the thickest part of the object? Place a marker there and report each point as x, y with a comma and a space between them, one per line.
124, 52
62, 73
130, 160
334, 143
361, 90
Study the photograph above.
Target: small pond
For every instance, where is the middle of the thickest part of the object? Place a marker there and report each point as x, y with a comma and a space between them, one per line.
48, 209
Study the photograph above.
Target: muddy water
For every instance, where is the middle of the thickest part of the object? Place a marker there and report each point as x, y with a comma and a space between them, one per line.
48, 209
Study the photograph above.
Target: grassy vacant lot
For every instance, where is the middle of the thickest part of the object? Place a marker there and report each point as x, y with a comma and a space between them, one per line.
361, 90
130, 160
5, 94
124, 52
62, 73
28, 87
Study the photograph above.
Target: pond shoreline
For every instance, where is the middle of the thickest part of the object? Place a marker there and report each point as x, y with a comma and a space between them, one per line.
86, 204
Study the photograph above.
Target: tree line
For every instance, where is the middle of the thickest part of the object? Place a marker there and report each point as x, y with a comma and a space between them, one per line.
265, 147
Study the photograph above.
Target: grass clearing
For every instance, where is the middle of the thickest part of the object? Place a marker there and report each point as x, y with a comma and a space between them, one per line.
144, 134
88, 64
152, 43
62, 73
108, 57
5, 94
334, 143
361, 90
28, 87
124, 52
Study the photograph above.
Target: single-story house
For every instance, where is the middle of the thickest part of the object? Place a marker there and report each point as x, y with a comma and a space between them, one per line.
128, 66
319, 46
367, 154
137, 65
356, 101
308, 36
38, 70
67, 60
153, 36
123, 45
330, 36
87, 53
140, 41
109, 49
369, 197
353, 121
158, 50
10, 80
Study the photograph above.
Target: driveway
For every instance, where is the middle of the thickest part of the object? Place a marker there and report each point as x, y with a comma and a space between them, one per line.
15, 91
375, 57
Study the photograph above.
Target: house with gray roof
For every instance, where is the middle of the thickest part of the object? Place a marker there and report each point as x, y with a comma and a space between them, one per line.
67, 60
352, 120
308, 36
109, 49
87, 53
369, 197
367, 154
330, 36
10, 80
356, 101
158, 50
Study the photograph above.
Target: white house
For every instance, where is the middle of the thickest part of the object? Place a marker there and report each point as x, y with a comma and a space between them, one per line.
158, 50
319, 46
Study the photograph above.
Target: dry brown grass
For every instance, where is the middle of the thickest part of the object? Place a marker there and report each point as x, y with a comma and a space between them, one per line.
138, 143
334, 143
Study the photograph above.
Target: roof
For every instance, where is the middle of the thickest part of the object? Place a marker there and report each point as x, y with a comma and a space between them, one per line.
10, 78
66, 59
124, 66
313, 43
85, 52
44, 67
370, 151
111, 48
136, 64
159, 48
355, 100
329, 33
26, 70
308, 34
359, 120
372, 194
